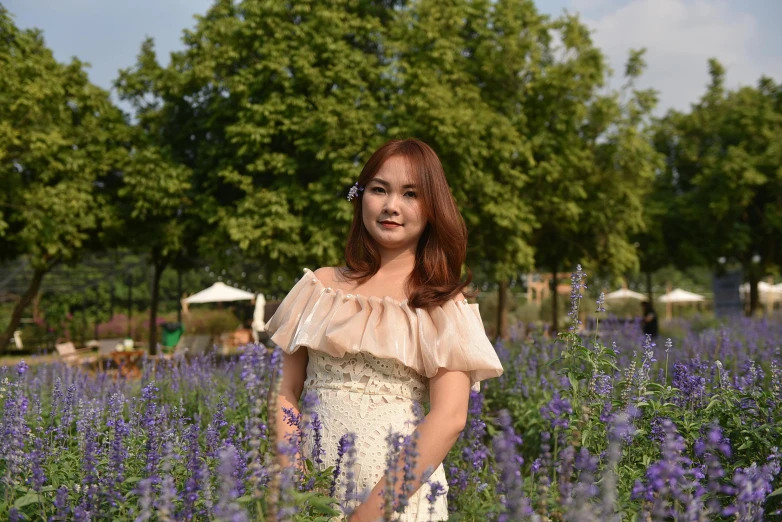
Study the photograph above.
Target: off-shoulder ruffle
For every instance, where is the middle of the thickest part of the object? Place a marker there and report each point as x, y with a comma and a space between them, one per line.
449, 336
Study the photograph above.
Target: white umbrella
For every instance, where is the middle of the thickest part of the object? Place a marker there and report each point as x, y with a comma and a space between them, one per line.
218, 293
763, 288
766, 291
624, 293
681, 296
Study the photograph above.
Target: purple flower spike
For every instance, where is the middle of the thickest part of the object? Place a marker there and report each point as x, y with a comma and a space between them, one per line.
576, 285
557, 411
435, 490
506, 445
227, 509
410, 446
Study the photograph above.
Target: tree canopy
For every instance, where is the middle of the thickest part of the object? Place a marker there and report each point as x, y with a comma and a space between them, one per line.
248, 140
724, 177
62, 143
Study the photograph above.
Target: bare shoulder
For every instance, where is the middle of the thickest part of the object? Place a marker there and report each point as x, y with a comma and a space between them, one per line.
459, 297
330, 276
326, 274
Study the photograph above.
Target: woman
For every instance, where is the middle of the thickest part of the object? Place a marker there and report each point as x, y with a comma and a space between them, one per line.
389, 331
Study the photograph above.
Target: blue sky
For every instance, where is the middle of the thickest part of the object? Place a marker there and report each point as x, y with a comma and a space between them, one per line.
680, 35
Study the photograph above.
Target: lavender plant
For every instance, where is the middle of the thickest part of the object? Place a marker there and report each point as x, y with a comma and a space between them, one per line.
593, 425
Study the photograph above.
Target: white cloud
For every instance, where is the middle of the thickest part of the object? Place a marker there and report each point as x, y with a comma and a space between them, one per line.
680, 36
586, 5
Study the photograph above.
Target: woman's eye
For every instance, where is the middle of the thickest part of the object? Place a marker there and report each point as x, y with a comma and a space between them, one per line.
380, 190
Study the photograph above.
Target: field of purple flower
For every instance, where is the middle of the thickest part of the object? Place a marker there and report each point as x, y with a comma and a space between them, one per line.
606, 426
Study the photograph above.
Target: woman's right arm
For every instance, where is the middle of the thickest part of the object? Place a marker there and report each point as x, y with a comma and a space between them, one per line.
294, 372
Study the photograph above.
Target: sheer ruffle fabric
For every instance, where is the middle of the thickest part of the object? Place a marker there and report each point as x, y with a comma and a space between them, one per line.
450, 336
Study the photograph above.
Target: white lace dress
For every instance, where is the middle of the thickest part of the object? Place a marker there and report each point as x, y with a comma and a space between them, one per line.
370, 360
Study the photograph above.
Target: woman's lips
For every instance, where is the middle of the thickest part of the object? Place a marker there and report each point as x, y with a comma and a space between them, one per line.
390, 225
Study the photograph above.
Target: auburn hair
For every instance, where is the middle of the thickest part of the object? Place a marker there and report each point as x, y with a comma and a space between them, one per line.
442, 247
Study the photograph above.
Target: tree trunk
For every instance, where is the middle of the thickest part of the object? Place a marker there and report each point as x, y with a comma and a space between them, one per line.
130, 305
158, 267
179, 295
37, 308
554, 301
649, 286
83, 337
754, 297
24, 302
502, 311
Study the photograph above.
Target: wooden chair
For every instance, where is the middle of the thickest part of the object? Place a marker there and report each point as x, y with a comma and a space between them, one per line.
128, 363
17, 340
106, 347
191, 345
73, 357
200, 345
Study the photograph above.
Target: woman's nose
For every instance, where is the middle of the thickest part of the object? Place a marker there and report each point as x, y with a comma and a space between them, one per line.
392, 203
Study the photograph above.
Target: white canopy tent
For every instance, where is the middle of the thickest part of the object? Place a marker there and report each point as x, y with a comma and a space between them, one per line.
765, 290
219, 293
624, 293
681, 296
222, 293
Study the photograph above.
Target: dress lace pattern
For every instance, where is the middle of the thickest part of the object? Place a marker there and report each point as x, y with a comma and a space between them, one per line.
369, 396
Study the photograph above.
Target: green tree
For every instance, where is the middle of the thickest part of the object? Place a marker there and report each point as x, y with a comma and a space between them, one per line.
536, 158
724, 167
449, 94
156, 211
594, 159
61, 143
157, 198
273, 106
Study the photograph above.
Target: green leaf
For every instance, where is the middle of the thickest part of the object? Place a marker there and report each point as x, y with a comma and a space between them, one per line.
573, 383
29, 498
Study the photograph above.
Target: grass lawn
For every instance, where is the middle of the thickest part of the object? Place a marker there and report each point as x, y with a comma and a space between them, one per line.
12, 360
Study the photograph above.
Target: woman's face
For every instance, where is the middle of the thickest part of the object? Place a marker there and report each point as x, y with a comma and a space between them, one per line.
390, 196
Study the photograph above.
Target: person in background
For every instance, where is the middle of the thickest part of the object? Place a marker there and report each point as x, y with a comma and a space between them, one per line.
259, 311
649, 319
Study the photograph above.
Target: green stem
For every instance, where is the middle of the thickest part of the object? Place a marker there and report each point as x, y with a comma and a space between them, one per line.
556, 449
597, 325
666, 367
43, 506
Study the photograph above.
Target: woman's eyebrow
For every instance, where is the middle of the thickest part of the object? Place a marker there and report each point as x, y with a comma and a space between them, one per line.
387, 184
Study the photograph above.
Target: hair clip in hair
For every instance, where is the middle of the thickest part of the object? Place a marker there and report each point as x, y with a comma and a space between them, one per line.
353, 192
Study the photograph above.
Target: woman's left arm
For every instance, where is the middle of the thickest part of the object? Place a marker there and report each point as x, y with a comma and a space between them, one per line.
449, 396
